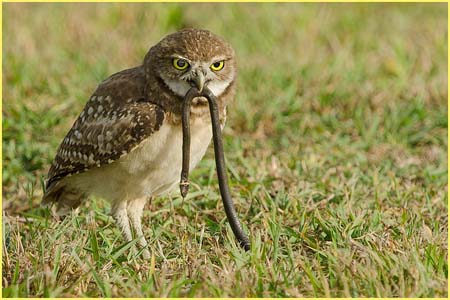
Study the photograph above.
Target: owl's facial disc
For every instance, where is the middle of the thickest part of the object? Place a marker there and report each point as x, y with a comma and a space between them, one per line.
185, 74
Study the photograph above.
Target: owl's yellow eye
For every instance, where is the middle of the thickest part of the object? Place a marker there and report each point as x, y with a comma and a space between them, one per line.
217, 66
180, 64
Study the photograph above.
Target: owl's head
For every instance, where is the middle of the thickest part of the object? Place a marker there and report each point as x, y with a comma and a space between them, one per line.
192, 57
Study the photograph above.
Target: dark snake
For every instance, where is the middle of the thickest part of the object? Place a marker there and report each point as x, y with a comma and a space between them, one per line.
219, 156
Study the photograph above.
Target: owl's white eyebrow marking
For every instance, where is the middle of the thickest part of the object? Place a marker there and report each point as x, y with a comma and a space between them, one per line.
217, 59
181, 57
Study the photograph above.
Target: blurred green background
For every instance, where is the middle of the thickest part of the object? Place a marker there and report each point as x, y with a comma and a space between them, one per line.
338, 133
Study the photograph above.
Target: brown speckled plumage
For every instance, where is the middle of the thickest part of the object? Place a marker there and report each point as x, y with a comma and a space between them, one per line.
125, 146
113, 122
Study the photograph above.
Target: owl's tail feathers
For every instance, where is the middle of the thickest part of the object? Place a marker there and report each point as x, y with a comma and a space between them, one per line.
62, 200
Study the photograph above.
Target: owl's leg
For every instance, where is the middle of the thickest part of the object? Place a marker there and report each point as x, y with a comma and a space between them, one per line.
119, 212
135, 209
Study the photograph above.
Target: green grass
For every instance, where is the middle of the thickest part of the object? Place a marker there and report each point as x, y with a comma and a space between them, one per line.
336, 146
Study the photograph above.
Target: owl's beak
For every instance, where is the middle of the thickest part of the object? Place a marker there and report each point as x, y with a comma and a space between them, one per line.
199, 80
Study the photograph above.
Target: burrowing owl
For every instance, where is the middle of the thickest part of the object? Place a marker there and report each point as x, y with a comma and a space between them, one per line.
126, 144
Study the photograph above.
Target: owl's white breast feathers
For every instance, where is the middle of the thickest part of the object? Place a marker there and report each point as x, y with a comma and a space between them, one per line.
153, 168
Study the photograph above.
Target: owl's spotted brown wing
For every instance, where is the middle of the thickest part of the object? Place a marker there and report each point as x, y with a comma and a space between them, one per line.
114, 121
